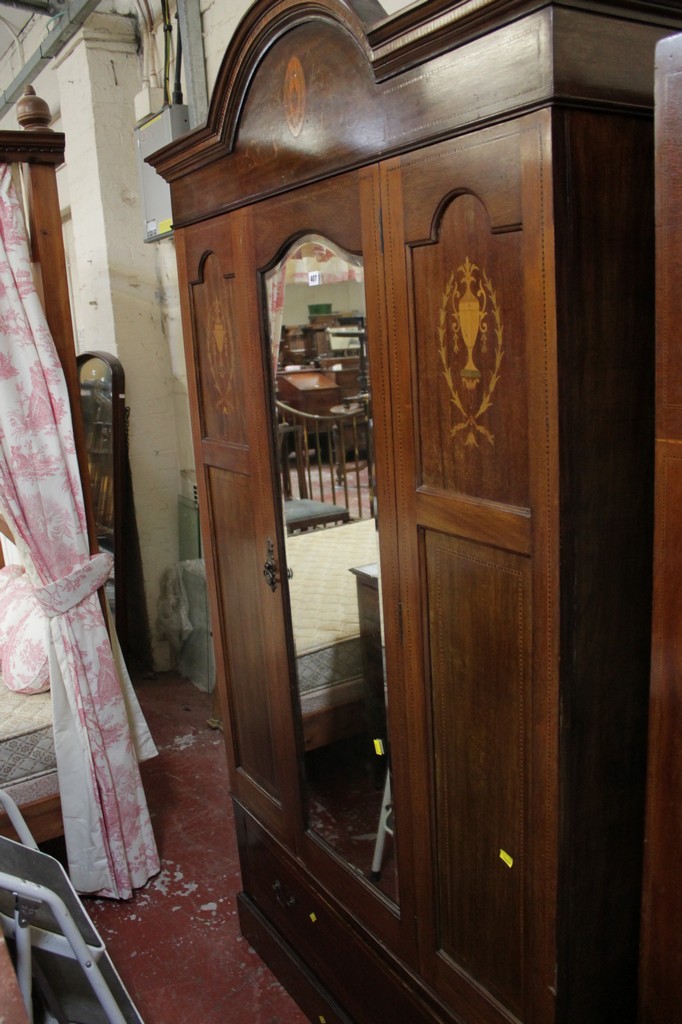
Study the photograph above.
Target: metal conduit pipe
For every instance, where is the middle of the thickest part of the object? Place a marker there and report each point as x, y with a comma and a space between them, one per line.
189, 21
66, 25
69, 20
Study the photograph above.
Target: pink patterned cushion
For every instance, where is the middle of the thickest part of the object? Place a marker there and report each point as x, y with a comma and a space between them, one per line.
23, 637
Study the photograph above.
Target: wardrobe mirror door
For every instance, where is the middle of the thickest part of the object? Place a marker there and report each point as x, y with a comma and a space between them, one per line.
323, 413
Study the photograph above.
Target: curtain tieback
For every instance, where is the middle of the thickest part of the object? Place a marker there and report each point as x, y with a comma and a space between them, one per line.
59, 596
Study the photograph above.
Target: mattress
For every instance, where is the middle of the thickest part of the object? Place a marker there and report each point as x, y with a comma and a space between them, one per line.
26, 742
324, 610
324, 604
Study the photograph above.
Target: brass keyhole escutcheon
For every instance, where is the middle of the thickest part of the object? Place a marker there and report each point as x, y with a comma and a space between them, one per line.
270, 567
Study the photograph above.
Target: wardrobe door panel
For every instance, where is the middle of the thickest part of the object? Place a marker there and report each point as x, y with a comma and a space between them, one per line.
343, 775
455, 256
461, 207
227, 375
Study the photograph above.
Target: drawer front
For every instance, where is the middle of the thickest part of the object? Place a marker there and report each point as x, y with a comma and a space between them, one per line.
314, 1000
365, 986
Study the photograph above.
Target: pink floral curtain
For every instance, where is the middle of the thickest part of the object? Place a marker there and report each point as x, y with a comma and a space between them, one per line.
274, 284
100, 734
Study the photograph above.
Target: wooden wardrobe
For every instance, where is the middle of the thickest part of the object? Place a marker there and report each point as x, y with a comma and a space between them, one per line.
492, 165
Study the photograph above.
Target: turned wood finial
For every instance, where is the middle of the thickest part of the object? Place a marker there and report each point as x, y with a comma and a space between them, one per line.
33, 114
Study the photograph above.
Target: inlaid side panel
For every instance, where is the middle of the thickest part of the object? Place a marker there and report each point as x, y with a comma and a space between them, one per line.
469, 357
478, 615
230, 408
217, 355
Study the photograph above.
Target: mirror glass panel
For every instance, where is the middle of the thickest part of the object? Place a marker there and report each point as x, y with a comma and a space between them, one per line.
97, 404
316, 311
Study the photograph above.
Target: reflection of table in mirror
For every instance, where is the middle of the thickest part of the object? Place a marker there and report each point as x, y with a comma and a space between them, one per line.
308, 391
367, 583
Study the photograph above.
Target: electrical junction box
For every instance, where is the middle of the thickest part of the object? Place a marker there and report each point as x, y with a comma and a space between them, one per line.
150, 135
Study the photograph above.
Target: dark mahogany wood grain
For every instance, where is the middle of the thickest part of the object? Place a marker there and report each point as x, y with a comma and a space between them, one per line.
605, 292
236, 496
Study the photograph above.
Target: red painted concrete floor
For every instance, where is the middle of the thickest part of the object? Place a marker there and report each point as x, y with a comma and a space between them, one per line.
177, 945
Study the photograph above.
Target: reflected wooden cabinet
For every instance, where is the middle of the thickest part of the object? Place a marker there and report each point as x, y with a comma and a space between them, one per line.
495, 181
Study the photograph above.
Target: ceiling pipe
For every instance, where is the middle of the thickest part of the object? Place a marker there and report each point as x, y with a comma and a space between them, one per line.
70, 18
47, 7
189, 23
65, 25
17, 39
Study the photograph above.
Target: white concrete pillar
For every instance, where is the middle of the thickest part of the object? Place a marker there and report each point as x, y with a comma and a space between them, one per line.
120, 285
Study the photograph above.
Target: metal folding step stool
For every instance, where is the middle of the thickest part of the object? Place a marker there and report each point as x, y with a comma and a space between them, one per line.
64, 972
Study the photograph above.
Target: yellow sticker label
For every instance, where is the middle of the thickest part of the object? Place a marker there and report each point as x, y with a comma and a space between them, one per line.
165, 226
379, 747
313, 917
506, 858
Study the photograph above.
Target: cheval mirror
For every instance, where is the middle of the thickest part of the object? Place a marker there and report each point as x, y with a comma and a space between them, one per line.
101, 381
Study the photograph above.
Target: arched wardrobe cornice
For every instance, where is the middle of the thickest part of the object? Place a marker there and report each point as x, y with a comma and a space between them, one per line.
368, 80
261, 27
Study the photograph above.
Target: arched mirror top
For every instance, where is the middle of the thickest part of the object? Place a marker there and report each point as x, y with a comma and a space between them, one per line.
323, 285
310, 251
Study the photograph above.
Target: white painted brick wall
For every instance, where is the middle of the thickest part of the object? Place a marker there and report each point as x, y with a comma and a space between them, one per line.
119, 296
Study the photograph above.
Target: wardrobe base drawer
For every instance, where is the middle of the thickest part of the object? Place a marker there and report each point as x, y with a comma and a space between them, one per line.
287, 967
369, 985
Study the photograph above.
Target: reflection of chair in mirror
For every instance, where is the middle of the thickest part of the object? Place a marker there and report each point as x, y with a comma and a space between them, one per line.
325, 469
344, 340
384, 828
